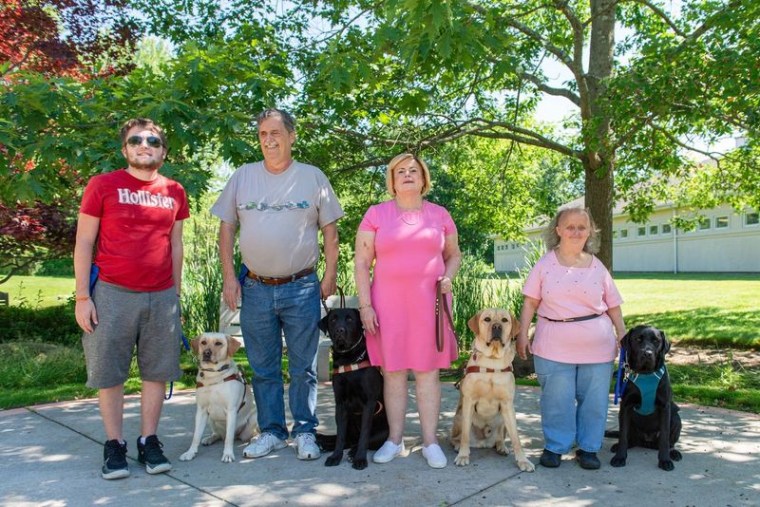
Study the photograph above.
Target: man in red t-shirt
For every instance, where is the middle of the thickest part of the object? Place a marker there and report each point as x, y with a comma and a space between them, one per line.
131, 219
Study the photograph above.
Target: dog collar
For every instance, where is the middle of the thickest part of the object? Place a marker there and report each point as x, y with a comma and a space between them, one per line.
483, 369
235, 376
351, 367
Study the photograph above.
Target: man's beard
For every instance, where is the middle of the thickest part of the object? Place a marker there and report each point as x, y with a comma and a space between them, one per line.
153, 165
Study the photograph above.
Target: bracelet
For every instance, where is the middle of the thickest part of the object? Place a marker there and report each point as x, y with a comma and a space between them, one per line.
362, 307
82, 298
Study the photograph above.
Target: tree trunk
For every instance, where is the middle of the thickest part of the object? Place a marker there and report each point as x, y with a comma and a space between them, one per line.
599, 159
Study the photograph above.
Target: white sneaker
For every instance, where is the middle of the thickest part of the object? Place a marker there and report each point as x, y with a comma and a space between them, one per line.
306, 446
263, 445
388, 451
434, 456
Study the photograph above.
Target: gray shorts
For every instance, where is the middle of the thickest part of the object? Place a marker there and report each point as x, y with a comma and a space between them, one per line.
148, 320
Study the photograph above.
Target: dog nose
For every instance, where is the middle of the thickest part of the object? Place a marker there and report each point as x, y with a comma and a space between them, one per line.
496, 331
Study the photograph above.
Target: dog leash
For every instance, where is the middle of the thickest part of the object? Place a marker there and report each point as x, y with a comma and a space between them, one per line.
441, 300
620, 381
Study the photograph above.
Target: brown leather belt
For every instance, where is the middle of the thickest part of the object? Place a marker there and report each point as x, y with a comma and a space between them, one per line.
574, 319
271, 280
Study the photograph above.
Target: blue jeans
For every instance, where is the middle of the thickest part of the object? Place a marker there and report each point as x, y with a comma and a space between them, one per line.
268, 311
574, 401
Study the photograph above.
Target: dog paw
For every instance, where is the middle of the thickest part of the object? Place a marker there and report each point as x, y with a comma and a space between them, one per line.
210, 439
461, 460
187, 456
333, 460
359, 464
666, 465
502, 449
675, 455
618, 461
526, 466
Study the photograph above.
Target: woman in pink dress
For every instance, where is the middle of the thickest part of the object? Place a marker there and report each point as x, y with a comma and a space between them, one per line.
413, 245
577, 332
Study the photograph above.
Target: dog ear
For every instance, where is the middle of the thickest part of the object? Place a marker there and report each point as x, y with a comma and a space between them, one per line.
232, 345
323, 323
665, 343
626, 341
195, 344
515, 326
474, 323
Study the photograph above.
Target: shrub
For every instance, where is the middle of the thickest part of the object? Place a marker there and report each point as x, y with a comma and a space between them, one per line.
32, 364
54, 324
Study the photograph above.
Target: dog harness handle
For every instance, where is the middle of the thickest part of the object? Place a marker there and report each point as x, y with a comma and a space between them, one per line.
441, 300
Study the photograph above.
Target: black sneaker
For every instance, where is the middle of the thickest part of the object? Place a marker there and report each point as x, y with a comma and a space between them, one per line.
152, 456
115, 460
550, 459
587, 460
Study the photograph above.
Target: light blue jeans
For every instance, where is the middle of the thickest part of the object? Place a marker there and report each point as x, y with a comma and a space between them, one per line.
268, 311
574, 401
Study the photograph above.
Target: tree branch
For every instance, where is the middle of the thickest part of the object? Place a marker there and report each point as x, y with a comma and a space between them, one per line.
559, 92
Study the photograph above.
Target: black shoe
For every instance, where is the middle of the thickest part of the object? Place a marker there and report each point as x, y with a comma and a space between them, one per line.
152, 456
587, 460
115, 460
550, 459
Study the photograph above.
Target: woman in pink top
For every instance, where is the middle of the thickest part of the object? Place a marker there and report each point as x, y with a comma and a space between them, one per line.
577, 332
413, 244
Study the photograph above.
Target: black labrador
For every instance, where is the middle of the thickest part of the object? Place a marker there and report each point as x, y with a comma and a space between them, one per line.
648, 416
358, 388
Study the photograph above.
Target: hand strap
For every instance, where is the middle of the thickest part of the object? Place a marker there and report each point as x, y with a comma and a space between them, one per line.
441, 300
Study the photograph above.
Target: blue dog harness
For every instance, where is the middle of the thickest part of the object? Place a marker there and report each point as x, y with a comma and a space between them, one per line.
647, 384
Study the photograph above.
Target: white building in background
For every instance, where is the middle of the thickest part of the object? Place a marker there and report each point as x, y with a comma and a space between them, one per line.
725, 241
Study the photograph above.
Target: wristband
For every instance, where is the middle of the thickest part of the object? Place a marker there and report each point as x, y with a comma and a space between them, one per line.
362, 307
82, 298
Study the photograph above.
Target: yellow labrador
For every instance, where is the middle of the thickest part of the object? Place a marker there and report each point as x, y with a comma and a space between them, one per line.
486, 412
222, 396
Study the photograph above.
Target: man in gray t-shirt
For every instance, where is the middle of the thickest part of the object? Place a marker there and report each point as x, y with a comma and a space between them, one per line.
279, 205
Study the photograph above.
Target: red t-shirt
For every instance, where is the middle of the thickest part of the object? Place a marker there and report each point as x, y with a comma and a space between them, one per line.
136, 219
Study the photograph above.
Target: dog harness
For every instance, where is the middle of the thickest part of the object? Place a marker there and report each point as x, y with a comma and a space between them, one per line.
647, 384
352, 367
235, 376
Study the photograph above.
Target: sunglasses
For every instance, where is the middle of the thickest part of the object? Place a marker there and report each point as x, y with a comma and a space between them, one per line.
153, 141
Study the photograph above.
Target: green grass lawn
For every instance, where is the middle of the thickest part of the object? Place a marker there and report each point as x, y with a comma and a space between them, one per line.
700, 309
38, 291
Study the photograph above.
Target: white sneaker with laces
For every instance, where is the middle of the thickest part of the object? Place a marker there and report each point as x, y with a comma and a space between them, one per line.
263, 445
306, 446
434, 456
388, 451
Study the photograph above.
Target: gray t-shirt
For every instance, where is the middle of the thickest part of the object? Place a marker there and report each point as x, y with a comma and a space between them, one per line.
279, 215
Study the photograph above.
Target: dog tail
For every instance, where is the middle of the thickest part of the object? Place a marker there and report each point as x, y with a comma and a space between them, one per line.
612, 434
326, 442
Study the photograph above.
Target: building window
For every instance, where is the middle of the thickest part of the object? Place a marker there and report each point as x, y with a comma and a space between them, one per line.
666, 228
642, 231
653, 229
704, 223
752, 218
623, 233
721, 222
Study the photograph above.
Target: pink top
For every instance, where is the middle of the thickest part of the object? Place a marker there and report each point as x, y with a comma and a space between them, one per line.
566, 292
408, 261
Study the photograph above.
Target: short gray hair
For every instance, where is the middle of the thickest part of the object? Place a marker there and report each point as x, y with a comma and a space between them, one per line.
551, 238
272, 112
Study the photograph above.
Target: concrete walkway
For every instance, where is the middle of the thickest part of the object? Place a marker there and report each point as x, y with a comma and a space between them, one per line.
51, 456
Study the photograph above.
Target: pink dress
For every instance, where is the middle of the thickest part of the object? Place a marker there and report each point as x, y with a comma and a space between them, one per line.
566, 292
408, 262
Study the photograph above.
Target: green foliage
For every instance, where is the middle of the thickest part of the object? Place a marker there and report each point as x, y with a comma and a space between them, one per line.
55, 324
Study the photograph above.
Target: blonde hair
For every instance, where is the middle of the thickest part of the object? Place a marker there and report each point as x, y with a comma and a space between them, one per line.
551, 238
398, 159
